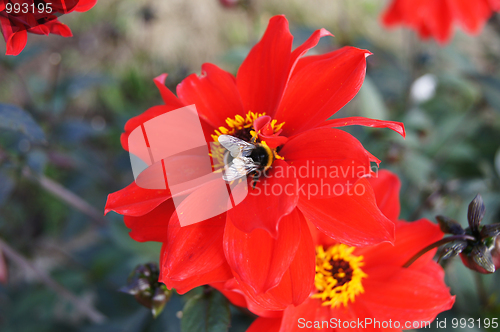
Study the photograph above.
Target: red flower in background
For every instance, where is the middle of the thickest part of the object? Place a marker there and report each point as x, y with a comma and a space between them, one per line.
436, 18
35, 17
354, 284
265, 241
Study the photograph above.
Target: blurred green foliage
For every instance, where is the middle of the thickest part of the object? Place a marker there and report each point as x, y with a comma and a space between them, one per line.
64, 104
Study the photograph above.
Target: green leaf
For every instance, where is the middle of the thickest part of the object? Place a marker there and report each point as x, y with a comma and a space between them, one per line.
497, 162
490, 87
6, 186
372, 104
206, 312
15, 118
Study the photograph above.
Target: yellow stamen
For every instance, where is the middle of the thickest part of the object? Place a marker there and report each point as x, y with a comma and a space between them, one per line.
338, 275
235, 126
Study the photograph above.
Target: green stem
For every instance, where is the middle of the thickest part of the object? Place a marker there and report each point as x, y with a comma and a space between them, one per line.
435, 245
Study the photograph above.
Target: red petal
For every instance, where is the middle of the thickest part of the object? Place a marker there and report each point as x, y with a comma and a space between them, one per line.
193, 250
135, 201
405, 294
296, 318
152, 226
392, 14
440, 24
274, 196
262, 76
262, 126
15, 40
256, 258
262, 324
410, 239
168, 97
358, 120
236, 298
471, 15
326, 161
386, 186
59, 28
140, 119
352, 218
84, 5
218, 274
495, 5
214, 93
296, 284
306, 46
321, 85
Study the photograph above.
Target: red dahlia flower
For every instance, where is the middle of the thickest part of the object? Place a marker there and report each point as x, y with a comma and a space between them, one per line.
284, 100
435, 18
364, 285
18, 17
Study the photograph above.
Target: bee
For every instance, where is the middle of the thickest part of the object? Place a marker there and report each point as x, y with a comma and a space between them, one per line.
244, 158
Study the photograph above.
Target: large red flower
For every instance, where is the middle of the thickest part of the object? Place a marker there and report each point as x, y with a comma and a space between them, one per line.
284, 99
18, 17
436, 18
364, 285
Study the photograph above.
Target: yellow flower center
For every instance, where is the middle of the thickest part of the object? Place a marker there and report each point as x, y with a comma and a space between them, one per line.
338, 275
242, 128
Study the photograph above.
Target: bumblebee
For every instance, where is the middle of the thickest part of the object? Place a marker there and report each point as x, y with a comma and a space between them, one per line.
243, 158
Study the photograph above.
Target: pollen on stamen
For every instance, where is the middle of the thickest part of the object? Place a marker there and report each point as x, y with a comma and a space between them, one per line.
339, 276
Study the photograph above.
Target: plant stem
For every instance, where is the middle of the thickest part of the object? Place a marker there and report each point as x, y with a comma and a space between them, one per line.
66, 196
89, 311
435, 245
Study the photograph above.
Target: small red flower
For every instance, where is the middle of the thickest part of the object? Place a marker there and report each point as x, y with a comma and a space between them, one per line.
364, 284
35, 17
436, 18
284, 100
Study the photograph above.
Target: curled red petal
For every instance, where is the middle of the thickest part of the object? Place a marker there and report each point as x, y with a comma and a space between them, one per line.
298, 281
15, 38
262, 76
218, 274
135, 201
262, 126
85, 5
152, 226
352, 218
258, 259
168, 97
320, 86
361, 121
214, 93
386, 186
59, 28
306, 46
296, 284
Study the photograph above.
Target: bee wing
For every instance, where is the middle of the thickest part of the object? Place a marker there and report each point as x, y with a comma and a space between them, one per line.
238, 168
236, 146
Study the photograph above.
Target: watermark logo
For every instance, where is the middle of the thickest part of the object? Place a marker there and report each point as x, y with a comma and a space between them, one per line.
170, 152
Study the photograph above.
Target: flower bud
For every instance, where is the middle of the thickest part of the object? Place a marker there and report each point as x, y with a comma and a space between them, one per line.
143, 284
